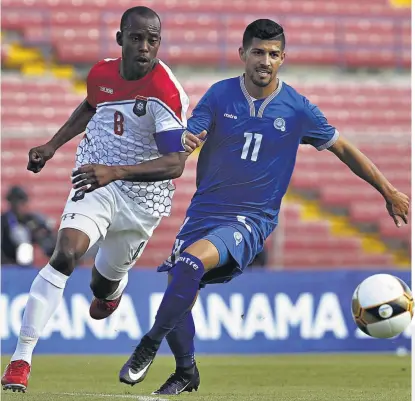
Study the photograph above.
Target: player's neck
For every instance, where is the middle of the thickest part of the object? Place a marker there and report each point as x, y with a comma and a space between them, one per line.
130, 75
259, 92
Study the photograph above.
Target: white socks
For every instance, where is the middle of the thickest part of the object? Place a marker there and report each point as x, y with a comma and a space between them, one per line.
121, 287
45, 296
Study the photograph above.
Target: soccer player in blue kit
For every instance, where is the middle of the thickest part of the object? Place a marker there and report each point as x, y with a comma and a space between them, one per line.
255, 124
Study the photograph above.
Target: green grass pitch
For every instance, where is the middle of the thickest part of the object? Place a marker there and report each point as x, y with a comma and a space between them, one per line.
367, 377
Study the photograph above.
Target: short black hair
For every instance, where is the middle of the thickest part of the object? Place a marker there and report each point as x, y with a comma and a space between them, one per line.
140, 10
264, 29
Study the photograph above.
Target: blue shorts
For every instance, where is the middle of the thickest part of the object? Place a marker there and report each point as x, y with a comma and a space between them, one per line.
237, 243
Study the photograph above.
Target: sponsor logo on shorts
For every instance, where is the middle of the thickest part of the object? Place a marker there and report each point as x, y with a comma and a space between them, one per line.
238, 237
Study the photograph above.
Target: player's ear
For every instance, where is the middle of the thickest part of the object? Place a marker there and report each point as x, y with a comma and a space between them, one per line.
118, 37
242, 54
282, 58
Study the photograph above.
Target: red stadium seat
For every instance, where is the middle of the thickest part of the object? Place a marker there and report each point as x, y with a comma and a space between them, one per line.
332, 28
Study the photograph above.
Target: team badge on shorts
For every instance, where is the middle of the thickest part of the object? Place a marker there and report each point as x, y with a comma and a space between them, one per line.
80, 194
140, 106
279, 124
238, 237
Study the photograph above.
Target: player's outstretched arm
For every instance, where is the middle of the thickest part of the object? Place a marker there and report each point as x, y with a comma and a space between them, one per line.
75, 125
397, 203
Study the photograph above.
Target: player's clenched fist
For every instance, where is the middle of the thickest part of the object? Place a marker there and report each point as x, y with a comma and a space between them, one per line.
39, 156
92, 176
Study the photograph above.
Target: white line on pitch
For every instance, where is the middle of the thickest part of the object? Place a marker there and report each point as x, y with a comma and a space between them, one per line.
129, 396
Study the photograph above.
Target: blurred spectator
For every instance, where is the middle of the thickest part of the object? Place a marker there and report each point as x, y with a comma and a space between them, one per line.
21, 229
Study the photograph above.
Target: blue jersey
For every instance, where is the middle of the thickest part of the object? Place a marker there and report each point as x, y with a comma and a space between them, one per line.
244, 169
246, 163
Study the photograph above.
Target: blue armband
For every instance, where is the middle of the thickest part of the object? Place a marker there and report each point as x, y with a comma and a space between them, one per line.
170, 141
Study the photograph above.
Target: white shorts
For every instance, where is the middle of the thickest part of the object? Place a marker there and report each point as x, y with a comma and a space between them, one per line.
121, 228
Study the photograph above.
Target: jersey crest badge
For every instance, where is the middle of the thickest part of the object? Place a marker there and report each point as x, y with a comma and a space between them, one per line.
279, 124
140, 106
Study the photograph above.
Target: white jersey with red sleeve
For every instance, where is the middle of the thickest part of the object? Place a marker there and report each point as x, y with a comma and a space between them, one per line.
135, 121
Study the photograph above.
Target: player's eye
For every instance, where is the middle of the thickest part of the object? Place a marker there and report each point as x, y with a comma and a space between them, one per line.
153, 42
275, 55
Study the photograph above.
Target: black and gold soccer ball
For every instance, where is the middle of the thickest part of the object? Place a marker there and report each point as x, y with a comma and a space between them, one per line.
382, 306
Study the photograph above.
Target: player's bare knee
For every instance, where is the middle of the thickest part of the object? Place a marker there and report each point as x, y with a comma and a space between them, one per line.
205, 251
65, 259
71, 246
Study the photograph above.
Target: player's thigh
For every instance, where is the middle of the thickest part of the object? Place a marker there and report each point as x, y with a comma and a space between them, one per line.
91, 215
83, 223
118, 253
126, 239
222, 245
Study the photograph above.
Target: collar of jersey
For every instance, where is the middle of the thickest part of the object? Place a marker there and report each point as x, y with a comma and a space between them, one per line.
267, 100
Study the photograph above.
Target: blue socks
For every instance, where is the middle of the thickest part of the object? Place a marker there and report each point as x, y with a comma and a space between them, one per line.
181, 343
179, 296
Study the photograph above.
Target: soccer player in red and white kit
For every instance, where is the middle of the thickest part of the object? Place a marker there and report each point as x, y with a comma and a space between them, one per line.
134, 120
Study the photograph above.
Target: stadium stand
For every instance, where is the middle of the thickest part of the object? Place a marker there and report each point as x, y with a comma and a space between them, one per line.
317, 176
345, 33
347, 219
32, 103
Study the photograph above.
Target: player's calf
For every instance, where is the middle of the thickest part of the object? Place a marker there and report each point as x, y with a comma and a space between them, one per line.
107, 295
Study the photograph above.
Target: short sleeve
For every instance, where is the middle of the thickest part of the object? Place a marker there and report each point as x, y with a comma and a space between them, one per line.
316, 131
170, 121
91, 87
203, 115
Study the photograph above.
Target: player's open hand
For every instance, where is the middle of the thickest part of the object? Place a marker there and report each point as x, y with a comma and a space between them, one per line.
39, 156
191, 141
92, 176
398, 206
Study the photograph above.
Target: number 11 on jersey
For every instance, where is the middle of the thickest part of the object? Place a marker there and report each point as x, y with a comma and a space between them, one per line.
248, 139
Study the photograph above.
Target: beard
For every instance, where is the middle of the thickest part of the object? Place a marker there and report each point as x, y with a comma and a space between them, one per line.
261, 82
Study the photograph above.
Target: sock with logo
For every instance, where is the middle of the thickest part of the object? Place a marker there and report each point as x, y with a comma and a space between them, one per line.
179, 296
44, 298
181, 343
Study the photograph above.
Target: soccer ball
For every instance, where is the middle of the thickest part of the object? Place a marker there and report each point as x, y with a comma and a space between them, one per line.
382, 306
